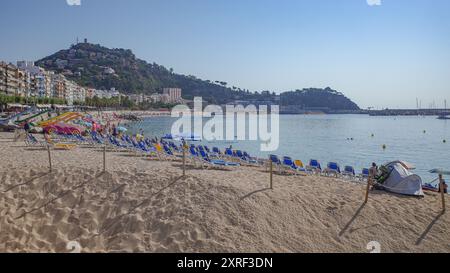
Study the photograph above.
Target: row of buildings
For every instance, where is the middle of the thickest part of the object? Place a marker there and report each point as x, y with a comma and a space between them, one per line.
30, 81
169, 95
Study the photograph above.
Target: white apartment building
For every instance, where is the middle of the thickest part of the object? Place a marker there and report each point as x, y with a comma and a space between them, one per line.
172, 95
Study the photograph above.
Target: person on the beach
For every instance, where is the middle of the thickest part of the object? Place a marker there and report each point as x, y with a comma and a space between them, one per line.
373, 172
114, 130
445, 187
27, 127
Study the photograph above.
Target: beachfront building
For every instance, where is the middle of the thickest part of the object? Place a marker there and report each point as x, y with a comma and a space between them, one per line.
102, 94
2, 78
90, 93
28, 80
11, 80
155, 98
58, 86
136, 98
172, 95
79, 94
40, 80
69, 90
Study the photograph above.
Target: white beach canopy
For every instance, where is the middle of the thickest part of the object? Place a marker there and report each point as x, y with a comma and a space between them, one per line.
401, 180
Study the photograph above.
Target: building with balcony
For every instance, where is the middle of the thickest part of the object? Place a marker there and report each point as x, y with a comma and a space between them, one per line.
11, 80
40, 79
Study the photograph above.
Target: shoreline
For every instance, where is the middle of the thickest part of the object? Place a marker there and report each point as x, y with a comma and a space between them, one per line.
142, 205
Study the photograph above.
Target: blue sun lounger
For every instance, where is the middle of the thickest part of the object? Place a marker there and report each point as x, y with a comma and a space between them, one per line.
314, 166
349, 171
244, 159
276, 161
288, 164
333, 168
216, 150
364, 174
229, 152
222, 164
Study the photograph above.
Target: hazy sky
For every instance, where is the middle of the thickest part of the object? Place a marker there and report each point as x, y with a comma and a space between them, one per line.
383, 55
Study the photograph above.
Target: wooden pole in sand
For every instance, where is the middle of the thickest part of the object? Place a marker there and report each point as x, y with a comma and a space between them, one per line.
49, 158
441, 188
369, 181
104, 158
184, 161
271, 174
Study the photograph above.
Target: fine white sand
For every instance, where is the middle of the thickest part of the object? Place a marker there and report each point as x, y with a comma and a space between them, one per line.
142, 205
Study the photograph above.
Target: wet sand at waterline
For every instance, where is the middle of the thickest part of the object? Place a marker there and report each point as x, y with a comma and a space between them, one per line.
142, 205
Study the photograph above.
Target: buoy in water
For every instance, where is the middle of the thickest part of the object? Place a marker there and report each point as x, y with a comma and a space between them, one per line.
424, 131
372, 135
384, 146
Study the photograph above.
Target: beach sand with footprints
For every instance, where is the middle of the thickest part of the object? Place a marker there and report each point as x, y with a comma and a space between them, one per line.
143, 205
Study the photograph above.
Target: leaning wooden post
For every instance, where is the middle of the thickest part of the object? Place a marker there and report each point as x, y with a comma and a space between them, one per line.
49, 158
442, 190
271, 174
184, 161
104, 158
369, 181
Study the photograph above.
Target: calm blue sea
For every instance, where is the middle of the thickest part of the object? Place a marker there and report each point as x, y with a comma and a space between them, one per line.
418, 140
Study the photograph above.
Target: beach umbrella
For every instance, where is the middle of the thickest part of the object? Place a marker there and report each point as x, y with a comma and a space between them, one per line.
122, 129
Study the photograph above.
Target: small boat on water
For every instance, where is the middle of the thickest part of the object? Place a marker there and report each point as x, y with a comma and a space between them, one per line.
444, 116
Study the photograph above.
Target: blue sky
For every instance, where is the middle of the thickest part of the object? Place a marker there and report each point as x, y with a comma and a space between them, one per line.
381, 56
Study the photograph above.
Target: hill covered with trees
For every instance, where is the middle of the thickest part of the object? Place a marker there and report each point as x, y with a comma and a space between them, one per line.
95, 66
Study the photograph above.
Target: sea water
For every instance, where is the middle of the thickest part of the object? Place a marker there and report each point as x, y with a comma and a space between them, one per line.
356, 140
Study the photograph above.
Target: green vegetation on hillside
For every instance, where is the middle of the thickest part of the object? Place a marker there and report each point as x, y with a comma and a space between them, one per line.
99, 67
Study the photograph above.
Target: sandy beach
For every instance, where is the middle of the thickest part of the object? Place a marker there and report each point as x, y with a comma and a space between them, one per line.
143, 205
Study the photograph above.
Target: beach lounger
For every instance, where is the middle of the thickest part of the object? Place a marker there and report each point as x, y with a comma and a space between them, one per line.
244, 159
216, 150
170, 154
364, 175
216, 163
288, 164
333, 169
207, 149
228, 152
349, 171
31, 141
116, 144
194, 156
59, 145
275, 161
215, 153
96, 139
300, 166
314, 166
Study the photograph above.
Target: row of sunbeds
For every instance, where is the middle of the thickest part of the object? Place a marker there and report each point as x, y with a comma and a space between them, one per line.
314, 167
199, 155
